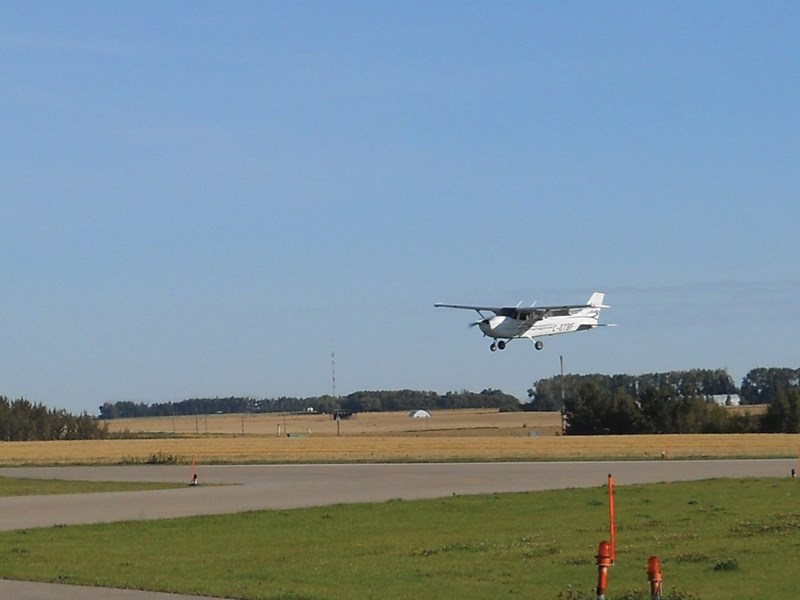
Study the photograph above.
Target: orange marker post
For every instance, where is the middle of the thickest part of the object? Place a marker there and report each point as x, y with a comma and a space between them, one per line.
603, 563
655, 577
612, 527
194, 472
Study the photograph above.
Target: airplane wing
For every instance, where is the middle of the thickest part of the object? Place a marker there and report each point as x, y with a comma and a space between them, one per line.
520, 312
550, 311
495, 309
533, 313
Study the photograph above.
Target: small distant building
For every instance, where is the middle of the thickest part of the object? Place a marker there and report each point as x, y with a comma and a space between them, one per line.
419, 414
726, 399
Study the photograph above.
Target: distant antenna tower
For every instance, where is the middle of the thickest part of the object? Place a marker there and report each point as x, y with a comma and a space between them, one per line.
333, 373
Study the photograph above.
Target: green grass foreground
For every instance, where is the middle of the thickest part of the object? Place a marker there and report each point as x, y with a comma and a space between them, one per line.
717, 539
14, 486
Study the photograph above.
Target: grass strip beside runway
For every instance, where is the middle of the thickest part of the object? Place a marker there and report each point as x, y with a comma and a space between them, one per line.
716, 539
17, 486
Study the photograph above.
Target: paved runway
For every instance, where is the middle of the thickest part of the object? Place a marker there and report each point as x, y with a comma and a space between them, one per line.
229, 489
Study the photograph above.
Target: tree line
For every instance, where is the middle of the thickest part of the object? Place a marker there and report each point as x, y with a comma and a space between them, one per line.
362, 401
21, 420
673, 402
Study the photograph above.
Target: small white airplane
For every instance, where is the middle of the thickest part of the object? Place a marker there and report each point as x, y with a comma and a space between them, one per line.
513, 322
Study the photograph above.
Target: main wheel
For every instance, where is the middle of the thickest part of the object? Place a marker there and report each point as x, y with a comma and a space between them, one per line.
539, 345
501, 344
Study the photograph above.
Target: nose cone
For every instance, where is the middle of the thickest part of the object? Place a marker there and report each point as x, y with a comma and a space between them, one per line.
489, 326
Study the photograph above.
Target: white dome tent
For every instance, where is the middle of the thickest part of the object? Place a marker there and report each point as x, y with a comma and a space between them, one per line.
419, 414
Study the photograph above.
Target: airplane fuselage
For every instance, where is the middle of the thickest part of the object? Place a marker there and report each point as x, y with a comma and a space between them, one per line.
507, 328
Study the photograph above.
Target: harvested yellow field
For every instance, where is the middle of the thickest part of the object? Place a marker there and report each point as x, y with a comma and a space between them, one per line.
381, 437
248, 449
447, 422
747, 409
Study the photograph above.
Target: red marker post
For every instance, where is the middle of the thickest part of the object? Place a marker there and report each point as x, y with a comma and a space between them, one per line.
655, 577
603, 563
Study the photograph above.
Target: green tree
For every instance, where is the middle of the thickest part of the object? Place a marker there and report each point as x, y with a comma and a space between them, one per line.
626, 416
21, 420
783, 413
588, 411
762, 385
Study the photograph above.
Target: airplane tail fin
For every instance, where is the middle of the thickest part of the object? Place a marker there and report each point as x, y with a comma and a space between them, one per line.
596, 300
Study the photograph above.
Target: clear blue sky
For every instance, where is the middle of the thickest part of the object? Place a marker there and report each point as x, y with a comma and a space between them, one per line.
208, 198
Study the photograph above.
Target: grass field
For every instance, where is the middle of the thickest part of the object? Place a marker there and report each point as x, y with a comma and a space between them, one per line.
13, 486
369, 437
716, 540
